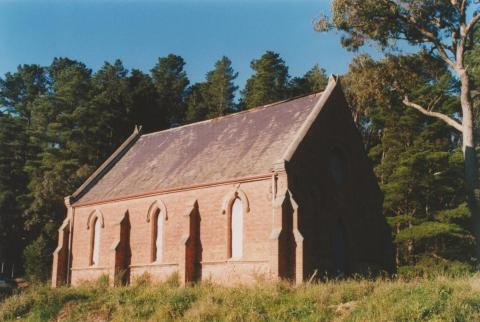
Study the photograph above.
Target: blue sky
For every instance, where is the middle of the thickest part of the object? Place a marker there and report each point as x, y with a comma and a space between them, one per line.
138, 32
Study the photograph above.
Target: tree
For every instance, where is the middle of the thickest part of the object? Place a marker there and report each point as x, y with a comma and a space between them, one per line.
213, 97
13, 186
197, 109
442, 29
315, 80
143, 108
108, 112
56, 168
416, 158
472, 60
20, 89
171, 82
268, 84
220, 89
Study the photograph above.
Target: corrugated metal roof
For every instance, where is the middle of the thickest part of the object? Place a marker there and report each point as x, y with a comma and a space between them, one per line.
228, 147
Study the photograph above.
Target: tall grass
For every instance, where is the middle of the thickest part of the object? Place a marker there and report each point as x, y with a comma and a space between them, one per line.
424, 299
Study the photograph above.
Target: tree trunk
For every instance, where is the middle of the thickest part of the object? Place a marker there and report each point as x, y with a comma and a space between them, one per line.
471, 163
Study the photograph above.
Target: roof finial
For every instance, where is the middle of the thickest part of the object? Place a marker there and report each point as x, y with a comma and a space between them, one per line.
137, 129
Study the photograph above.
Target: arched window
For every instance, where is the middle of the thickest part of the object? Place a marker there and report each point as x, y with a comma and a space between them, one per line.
157, 236
338, 166
236, 229
95, 253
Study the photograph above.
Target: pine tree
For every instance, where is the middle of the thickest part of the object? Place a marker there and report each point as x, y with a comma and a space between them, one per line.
20, 89
268, 84
213, 97
220, 89
197, 109
109, 104
55, 171
13, 186
171, 82
143, 108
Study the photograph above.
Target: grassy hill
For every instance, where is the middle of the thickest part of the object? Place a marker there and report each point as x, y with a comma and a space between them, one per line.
434, 299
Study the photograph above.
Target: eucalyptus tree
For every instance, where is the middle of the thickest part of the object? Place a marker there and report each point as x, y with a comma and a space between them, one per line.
444, 29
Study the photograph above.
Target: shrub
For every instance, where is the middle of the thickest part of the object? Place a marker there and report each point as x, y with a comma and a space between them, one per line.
37, 257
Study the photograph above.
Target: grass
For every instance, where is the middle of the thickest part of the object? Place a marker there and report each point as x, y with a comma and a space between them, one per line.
424, 299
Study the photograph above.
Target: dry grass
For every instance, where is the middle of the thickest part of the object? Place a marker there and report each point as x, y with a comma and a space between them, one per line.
434, 299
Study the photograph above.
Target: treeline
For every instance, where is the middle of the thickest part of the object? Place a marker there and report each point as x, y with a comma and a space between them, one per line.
59, 122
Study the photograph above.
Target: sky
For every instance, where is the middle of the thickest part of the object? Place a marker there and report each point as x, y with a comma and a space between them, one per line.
138, 32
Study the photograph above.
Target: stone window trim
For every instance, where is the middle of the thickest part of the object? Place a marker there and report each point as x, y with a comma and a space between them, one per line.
227, 207
230, 198
156, 211
95, 215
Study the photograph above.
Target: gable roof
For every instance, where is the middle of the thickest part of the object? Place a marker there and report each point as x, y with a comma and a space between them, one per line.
238, 145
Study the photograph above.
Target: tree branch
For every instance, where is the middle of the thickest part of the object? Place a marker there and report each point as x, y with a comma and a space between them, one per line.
472, 24
450, 121
462, 7
442, 50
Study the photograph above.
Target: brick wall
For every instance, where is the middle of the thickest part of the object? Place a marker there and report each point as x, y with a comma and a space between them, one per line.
209, 252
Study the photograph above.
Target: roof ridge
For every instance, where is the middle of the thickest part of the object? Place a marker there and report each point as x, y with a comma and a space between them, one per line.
257, 108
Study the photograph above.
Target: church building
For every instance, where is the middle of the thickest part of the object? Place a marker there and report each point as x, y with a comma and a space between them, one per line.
281, 191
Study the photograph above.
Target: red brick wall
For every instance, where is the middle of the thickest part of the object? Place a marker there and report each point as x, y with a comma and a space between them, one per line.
212, 248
